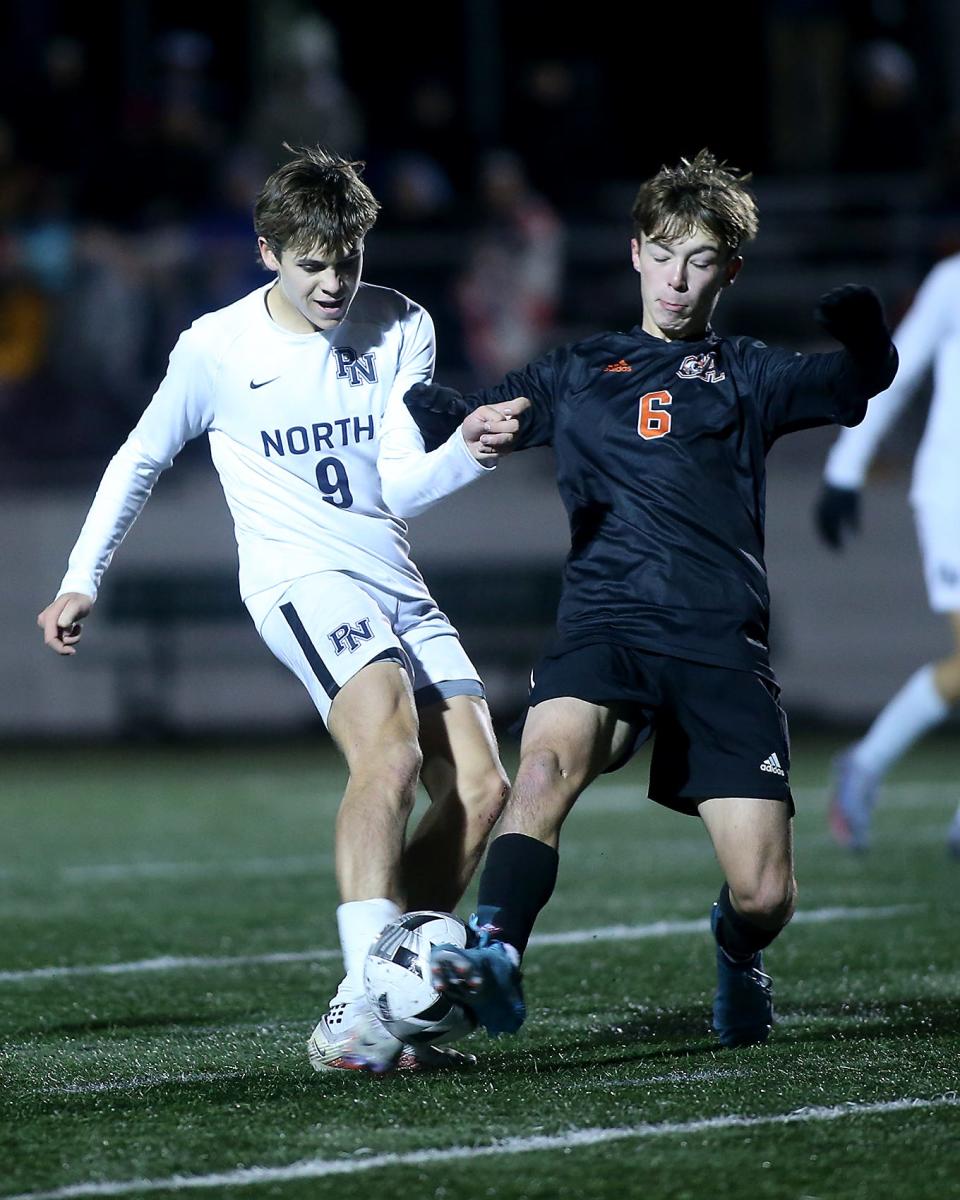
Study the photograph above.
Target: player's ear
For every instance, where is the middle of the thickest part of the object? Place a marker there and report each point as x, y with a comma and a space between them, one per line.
732, 269
635, 253
270, 260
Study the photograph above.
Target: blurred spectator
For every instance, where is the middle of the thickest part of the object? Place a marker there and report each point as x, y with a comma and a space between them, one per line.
509, 292
303, 99
885, 128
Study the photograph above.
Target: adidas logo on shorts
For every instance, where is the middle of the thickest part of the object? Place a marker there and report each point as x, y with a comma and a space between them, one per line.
772, 766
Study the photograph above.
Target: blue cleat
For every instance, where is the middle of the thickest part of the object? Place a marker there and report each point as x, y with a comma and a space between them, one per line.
851, 805
484, 978
743, 1004
953, 838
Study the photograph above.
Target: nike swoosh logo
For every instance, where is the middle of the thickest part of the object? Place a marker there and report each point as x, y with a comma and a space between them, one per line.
264, 382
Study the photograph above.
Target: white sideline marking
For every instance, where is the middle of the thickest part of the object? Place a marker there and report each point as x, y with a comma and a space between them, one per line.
142, 1081
571, 937
625, 933
320, 1168
117, 872
168, 963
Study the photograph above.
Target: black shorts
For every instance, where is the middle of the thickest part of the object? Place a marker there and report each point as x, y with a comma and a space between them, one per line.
716, 731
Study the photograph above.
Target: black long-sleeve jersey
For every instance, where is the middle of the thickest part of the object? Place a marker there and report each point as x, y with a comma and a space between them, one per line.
660, 450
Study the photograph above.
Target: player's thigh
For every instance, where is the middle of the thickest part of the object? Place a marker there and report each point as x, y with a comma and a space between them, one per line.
753, 840
327, 629
374, 723
459, 746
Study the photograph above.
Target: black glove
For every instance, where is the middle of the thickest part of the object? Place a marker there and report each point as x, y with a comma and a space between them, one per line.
854, 316
438, 411
837, 513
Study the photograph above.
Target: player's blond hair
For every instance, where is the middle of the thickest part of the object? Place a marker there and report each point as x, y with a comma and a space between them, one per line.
699, 193
316, 200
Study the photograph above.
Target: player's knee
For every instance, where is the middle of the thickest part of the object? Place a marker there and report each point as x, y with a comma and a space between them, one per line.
543, 774
487, 797
767, 900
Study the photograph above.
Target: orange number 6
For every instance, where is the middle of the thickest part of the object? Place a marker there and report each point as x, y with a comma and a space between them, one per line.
654, 419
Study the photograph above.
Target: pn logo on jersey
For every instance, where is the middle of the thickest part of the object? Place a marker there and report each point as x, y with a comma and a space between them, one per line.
357, 368
772, 766
349, 637
701, 366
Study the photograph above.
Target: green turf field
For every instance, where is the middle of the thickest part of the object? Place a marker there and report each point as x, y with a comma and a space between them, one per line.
168, 943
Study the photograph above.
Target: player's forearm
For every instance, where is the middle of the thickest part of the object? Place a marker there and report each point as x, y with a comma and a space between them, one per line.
412, 483
123, 491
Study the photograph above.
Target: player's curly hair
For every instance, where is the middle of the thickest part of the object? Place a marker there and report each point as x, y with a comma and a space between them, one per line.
703, 193
317, 199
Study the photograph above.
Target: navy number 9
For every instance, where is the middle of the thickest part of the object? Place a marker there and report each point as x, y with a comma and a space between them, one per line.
332, 481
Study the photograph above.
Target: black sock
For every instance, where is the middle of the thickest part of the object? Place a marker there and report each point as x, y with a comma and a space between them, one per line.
517, 880
739, 937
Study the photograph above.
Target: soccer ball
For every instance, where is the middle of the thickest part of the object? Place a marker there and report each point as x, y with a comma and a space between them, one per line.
397, 980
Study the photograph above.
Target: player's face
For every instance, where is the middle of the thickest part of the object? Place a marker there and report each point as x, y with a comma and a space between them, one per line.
680, 283
313, 290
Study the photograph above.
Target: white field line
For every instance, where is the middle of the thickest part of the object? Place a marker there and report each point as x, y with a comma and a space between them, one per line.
142, 1081
108, 872
574, 1139
571, 937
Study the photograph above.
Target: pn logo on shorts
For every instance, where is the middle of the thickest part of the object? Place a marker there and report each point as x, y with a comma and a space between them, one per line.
701, 366
349, 637
772, 766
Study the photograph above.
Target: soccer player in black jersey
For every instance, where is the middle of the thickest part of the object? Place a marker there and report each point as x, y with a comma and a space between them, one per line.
660, 436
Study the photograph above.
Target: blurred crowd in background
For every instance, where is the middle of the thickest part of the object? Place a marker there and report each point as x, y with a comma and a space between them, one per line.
503, 143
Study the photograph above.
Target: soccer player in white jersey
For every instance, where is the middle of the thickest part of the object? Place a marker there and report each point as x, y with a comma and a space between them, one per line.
299, 387
927, 337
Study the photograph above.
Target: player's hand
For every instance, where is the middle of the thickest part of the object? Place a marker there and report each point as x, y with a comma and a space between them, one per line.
837, 514
489, 430
61, 621
438, 412
854, 316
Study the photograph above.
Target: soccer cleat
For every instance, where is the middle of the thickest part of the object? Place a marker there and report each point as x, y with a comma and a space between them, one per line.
743, 1003
851, 805
484, 978
348, 1037
428, 1057
953, 838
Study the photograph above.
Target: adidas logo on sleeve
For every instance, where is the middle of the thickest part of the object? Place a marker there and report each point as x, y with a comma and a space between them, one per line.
772, 766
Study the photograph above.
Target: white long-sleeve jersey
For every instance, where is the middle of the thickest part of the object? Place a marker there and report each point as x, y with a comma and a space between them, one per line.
929, 335
317, 455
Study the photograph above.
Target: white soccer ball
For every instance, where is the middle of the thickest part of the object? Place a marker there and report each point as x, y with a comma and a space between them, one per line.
397, 980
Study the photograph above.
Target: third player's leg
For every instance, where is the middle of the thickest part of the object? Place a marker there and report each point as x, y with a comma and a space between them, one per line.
753, 841
467, 786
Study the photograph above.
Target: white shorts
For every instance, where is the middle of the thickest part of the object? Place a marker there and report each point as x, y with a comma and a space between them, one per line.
327, 626
938, 529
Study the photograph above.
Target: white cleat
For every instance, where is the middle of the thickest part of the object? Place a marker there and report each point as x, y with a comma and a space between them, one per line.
348, 1037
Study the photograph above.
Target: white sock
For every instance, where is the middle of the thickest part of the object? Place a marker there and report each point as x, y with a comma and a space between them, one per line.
917, 707
359, 923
